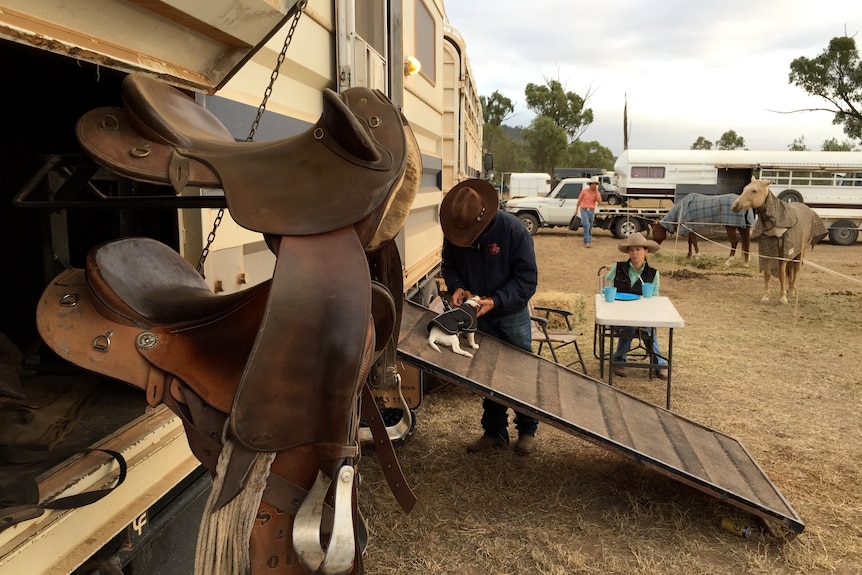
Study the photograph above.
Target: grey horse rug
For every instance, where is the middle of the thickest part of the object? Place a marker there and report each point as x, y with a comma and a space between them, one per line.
804, 228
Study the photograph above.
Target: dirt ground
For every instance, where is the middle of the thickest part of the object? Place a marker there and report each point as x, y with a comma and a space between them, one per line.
783, 379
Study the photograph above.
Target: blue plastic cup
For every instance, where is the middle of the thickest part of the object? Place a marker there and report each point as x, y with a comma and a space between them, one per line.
610, 293
648, 289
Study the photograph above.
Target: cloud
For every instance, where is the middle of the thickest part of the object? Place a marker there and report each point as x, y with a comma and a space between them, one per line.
687, 68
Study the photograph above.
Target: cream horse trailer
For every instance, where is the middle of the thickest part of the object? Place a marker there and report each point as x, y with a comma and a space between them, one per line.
62, 59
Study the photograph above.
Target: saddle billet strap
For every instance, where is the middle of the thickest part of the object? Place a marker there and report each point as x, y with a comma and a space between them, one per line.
301, 385
386, 453
108, 137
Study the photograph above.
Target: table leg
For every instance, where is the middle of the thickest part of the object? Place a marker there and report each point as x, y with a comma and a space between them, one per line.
611, 357
669, 363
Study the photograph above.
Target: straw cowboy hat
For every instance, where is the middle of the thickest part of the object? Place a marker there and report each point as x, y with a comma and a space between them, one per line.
638, 239
594, 180
466, 211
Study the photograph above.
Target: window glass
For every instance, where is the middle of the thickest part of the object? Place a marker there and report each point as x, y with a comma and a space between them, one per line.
370, 22
426, 42
647, 171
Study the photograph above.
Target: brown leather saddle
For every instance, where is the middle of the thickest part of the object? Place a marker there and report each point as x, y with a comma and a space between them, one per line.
268, 380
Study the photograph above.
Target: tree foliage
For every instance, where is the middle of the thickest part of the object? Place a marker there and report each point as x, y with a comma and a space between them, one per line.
565, 109
589, 155
701, 144
730, 141
798, 145
833, 145
836, 76
496, 108
546, 143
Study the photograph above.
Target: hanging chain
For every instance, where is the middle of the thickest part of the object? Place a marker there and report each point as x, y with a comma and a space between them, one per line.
300, 7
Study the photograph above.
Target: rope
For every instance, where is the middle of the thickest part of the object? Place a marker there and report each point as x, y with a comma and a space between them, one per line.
224, 536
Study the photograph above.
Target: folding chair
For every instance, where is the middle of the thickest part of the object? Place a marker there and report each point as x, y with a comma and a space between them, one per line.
554, 339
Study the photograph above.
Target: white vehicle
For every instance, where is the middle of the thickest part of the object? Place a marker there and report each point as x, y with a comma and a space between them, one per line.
558, 208
828, 182
523, 184
63, 59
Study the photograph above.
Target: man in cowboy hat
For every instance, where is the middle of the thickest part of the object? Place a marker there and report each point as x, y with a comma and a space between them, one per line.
588, 199
629, 277
490, 253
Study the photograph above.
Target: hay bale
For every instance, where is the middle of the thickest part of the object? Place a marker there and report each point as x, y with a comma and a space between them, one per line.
573, 302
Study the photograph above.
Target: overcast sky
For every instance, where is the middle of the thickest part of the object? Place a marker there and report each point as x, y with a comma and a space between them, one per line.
688, 68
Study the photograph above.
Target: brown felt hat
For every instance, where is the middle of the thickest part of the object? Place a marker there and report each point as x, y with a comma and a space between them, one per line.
638, 239
466, 211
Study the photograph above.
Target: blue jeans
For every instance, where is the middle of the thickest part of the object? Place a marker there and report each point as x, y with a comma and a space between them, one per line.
624, 344
587, 217
515, 329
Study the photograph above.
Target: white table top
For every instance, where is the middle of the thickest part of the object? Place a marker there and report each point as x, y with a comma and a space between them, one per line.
642, 312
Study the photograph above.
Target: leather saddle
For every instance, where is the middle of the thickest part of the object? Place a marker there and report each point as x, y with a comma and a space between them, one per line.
277, 369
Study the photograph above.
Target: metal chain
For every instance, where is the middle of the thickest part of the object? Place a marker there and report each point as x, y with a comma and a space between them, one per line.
300, 8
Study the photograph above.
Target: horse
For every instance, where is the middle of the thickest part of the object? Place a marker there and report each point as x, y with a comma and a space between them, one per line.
784, 231
697, 211
271, 382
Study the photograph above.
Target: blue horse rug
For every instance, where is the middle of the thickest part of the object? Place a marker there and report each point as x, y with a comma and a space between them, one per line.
697, 211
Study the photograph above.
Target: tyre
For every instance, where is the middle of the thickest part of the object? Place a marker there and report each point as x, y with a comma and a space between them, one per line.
531, 222
624, 227
614, 200
790, 196
843, 233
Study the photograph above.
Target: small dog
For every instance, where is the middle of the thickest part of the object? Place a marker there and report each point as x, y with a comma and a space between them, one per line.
446, 328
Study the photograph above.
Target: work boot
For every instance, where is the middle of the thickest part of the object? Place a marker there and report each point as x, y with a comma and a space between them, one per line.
525, 445
661, 373
621, 372
487, 442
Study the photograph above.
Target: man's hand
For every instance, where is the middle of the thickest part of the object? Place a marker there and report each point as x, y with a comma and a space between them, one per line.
486, 304
457, 298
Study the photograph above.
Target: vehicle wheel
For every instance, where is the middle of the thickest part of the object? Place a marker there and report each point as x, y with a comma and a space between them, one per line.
843, 233
614, 200
531, 222
624, 227
790, 196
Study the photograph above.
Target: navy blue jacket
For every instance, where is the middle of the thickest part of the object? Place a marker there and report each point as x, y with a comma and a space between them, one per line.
501, 264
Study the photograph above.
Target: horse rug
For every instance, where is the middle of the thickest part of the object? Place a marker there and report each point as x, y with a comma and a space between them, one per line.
803, 227
698, 211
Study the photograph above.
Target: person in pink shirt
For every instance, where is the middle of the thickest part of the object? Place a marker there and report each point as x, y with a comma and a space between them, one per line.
588, 199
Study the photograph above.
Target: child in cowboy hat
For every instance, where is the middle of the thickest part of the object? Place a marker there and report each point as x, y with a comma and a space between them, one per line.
629, 277
490, 253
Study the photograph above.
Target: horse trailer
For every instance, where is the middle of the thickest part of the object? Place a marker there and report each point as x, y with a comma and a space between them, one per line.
245, 61
828, 182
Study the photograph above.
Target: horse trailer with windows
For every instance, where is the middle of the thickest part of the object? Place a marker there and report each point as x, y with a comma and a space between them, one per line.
260, 67
828, 182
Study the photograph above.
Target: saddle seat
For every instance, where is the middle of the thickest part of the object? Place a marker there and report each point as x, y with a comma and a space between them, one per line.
140, 281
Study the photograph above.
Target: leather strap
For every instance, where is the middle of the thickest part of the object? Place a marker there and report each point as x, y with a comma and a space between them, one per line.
386, 453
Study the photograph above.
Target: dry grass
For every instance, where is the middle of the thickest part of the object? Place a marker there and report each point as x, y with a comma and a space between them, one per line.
784, 380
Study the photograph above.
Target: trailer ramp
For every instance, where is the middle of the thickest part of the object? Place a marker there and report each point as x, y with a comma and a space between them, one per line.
647, 434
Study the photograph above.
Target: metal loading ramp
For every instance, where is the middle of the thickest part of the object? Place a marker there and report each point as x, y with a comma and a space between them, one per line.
647, 434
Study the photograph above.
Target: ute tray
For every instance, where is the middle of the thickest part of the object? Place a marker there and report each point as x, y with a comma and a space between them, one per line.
647, 434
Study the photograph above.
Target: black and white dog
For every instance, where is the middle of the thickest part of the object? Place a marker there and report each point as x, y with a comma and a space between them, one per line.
446, 328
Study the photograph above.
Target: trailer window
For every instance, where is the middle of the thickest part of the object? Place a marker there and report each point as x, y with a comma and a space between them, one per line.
647, 171
371, 24
426, 44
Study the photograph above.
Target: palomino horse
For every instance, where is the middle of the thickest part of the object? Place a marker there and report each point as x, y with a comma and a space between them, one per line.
784, 231
698, 211
267, 381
